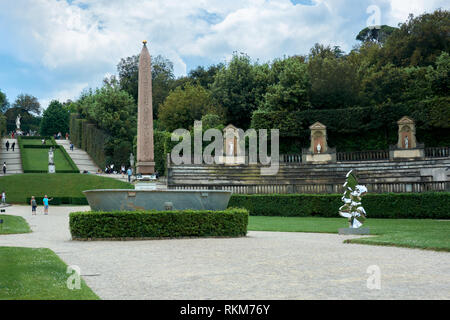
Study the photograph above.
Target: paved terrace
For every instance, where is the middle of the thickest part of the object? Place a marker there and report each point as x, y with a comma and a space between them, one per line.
264, 265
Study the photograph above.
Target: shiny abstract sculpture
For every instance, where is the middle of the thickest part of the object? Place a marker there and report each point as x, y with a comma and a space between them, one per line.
352, 208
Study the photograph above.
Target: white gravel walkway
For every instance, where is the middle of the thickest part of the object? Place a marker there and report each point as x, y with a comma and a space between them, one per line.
264, 265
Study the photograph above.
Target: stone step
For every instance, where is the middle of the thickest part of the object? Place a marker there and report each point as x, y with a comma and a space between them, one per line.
80, 157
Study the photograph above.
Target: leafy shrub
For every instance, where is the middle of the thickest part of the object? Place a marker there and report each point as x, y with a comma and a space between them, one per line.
430, 205
158, 224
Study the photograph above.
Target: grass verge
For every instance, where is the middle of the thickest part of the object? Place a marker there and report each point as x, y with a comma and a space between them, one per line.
13, 225
410, 233
21, 186
37, 274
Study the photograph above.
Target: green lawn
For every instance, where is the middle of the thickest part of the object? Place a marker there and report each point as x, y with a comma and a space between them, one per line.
36, 142
37, 274
13, 225
19, 187
37, 159
411, 233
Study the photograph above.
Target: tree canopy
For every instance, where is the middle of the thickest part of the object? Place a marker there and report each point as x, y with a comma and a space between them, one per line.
55, 119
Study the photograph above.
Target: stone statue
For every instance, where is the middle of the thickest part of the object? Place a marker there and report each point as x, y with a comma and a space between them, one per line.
406, 142
352, 208
50, 156
18, 122
231, 148
131, 159
319, 147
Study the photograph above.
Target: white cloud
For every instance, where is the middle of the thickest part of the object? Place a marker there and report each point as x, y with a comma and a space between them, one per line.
70, 91
82, 40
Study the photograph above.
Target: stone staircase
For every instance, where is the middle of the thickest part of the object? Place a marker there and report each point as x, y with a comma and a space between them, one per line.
12, 158
80, 157
384, 171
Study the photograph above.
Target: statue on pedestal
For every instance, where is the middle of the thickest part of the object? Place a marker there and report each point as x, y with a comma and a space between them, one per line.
50, 156
406, 142
18, 122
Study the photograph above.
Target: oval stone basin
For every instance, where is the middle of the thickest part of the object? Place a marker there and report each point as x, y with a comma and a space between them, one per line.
132, 200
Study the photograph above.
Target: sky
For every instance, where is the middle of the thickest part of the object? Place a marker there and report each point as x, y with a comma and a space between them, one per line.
54, 49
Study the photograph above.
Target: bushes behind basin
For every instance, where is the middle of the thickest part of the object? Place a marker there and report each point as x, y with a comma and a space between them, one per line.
158, 224
429, 205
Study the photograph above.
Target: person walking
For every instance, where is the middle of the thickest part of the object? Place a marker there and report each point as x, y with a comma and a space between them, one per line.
129, 172
13, 145
71, 146
3, 197
4, 167
45, 201
7, 145
33, 206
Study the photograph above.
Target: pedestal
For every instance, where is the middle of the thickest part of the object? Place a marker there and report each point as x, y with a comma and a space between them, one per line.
354, 231
145, 186
51, 168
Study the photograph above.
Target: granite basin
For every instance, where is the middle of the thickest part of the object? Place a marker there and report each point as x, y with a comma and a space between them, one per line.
132, 200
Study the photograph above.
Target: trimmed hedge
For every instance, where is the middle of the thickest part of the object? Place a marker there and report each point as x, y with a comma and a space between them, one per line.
430, 205
87, 136
158, 224
51, 143
61, 200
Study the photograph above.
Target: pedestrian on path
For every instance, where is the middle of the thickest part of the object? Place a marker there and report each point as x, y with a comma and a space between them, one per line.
129, 172
4, 167
33, 206
3, 197
13, 145
45, 202
7, 145
71, 146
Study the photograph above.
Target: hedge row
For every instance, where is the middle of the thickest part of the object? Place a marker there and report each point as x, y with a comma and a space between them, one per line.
430, 205
62, 200
87, 136
158, 224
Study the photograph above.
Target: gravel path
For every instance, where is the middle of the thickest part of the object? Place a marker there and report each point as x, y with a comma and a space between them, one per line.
264, 265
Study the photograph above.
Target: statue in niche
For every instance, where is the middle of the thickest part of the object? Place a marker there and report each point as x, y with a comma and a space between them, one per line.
231, 148
319, 148
406, 142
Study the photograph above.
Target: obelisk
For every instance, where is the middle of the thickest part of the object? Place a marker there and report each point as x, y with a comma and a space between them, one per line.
145, 151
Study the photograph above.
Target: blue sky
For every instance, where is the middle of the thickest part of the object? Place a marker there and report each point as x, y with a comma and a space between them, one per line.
54, 49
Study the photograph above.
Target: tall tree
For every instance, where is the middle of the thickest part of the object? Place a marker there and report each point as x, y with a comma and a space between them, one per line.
237, 88
374, 34
162, 77
419, 41
28, 103
291, 91
204, 76
4, 104
183, 106
54, 119
334, 80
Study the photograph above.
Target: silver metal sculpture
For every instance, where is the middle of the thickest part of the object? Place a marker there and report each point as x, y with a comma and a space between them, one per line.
352, 208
